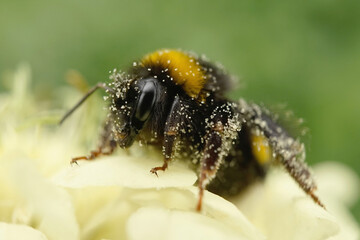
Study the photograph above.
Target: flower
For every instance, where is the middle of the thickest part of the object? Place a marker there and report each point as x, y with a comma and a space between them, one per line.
116, 197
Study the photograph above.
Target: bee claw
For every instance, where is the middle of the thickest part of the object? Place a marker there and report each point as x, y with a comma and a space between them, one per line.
72, 162
154, 171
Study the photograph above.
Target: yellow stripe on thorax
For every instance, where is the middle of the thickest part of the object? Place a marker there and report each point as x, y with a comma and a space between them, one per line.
260, 149
184, 70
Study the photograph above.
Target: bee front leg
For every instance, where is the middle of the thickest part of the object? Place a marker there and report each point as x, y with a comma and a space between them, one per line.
106, 147
172, 125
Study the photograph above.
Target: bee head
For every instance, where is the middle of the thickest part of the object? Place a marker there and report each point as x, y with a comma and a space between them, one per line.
131, 106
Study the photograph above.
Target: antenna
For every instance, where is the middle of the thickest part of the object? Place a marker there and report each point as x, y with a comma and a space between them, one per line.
88, 94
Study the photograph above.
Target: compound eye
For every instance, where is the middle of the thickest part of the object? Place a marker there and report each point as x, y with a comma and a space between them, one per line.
145, 101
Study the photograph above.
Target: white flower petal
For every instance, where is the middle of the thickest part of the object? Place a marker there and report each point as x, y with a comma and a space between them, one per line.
339, 186
281, 210
50, 204
161, 224
331, 179
16, 232
228, 213
126, 171
214, 207
101, 212
111, 208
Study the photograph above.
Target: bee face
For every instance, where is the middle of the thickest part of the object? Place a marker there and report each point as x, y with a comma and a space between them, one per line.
131, 107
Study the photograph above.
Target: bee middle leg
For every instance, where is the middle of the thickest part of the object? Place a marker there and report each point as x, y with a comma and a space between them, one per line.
211, 159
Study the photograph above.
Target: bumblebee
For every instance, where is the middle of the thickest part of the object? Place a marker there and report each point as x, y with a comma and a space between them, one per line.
176, 101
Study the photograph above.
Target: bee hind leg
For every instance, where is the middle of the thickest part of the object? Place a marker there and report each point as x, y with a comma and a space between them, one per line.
288, 151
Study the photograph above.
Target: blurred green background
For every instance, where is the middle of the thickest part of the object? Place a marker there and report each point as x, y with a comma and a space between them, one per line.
302, 53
